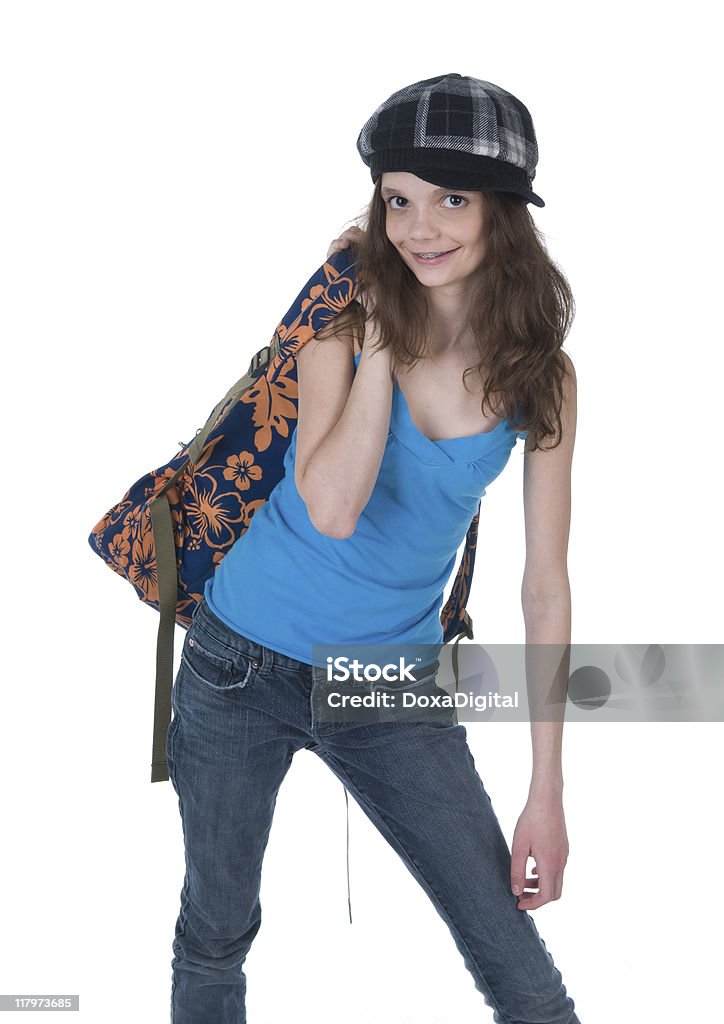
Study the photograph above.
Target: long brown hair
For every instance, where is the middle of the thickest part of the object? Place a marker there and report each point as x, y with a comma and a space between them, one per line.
520, 312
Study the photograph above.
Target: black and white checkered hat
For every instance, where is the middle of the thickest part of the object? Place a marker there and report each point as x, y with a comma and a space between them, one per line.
454, 131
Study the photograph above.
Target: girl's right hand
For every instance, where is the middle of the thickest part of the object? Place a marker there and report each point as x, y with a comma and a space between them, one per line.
352, 234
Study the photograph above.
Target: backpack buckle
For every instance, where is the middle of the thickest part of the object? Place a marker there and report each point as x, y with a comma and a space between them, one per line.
259, 360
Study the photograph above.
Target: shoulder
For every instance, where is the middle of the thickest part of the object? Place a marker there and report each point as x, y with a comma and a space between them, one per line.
570, 393
570, 371
558, 457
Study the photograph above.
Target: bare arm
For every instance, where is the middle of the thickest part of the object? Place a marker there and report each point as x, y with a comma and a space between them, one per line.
541, 829
344, 419
545, 591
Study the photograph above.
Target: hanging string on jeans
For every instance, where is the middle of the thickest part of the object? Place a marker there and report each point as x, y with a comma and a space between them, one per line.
456, 672
349, 898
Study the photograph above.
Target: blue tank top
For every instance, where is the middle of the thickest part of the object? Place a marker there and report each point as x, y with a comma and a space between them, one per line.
287, 586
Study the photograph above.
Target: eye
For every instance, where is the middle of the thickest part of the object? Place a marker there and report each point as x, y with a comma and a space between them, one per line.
461, 201
457, 206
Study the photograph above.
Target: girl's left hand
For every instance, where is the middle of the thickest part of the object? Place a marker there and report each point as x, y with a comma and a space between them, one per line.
352, 234
540, 834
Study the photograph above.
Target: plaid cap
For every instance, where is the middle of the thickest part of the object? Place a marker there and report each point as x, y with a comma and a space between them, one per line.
454, 131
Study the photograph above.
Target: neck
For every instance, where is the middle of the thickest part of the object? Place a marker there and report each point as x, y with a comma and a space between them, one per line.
449, 332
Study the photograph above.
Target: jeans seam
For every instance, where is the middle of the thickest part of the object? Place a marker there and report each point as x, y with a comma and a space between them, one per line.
171, 737
182, 912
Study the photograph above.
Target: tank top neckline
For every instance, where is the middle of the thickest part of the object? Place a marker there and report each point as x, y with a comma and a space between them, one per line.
447, 449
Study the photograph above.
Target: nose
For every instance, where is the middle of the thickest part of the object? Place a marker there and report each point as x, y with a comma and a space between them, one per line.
422, 225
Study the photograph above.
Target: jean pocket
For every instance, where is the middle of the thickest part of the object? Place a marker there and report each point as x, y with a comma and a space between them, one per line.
213, 663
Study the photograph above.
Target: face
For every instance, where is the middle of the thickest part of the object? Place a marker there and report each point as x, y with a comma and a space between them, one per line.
425, 218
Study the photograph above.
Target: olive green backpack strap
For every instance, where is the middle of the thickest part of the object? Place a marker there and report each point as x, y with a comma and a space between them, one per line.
167, 569
167, 574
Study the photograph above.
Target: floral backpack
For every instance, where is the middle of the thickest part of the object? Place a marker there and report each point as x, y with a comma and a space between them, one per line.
171, 528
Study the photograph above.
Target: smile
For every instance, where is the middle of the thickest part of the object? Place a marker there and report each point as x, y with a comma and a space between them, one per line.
434, 260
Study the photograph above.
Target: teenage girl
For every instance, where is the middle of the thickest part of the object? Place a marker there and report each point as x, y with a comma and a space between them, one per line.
410, 403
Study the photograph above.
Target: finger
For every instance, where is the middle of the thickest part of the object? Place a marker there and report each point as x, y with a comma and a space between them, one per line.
529, 900
531, 903
519, 857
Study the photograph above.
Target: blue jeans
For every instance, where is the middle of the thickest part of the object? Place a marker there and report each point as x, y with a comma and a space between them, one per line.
240, 712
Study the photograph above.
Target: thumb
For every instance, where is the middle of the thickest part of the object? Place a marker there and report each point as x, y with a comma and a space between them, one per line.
517, 872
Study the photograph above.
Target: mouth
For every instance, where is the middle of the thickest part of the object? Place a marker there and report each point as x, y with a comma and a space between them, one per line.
433, 260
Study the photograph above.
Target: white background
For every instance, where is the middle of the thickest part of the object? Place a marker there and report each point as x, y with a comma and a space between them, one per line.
172, 173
